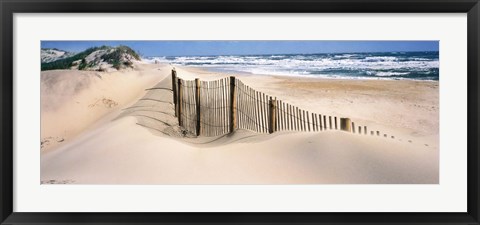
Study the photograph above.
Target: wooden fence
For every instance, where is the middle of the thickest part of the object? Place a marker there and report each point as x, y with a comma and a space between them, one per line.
214, 108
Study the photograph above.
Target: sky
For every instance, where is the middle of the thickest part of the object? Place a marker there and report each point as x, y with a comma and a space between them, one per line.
193, 48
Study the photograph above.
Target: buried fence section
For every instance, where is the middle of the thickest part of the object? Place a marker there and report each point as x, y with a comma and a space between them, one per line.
214, 108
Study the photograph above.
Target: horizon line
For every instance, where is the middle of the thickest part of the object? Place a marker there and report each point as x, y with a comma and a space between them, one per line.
288, 53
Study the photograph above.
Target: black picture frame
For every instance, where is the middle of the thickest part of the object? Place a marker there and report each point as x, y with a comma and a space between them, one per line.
9, 7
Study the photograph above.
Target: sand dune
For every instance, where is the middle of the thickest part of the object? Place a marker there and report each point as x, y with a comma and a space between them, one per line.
107, 156
73, 100
139, 142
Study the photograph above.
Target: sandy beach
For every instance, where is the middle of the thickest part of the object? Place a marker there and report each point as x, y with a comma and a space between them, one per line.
92, 132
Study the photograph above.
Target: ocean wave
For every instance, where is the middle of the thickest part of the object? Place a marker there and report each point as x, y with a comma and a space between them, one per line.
418, 65
388, 74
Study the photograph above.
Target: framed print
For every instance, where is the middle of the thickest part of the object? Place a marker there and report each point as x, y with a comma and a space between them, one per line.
239, 112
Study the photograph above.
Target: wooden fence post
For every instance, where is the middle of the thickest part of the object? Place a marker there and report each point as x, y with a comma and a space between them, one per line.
271, 114
197, 103
320, 122
345, 124
233, 108
174, 90
179, 105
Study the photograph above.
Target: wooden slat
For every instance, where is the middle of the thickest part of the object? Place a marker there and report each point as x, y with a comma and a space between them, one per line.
240, 103
207, 109
254, 94
291, 117
262, 110
189, 113
217, 108
314, 123
225, 107
302, 119
319, 119
227, 104
214, 105
281, 115
257, 112
220, 108
308, 121
299, 119
220, 105
193, 107
221, 111
191, 118
265, 110
288, 117
305, 118
250, 109
284, 123
320, 125
257, 103
254, 109
247, 110
244, 118
190, 106
237, 88
277, 115
185, 103
294, 117
244, 107
295, 113
267, 122
285, 116
319, 122
202, 108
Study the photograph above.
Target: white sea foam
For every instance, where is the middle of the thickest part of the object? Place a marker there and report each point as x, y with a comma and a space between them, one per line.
396, 65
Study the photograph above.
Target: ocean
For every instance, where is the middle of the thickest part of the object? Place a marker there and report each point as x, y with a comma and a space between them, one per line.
373, 65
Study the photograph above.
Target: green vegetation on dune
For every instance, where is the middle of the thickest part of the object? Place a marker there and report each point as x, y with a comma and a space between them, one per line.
66, 63
115, 58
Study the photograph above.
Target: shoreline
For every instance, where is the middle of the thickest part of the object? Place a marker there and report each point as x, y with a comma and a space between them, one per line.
301, 76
